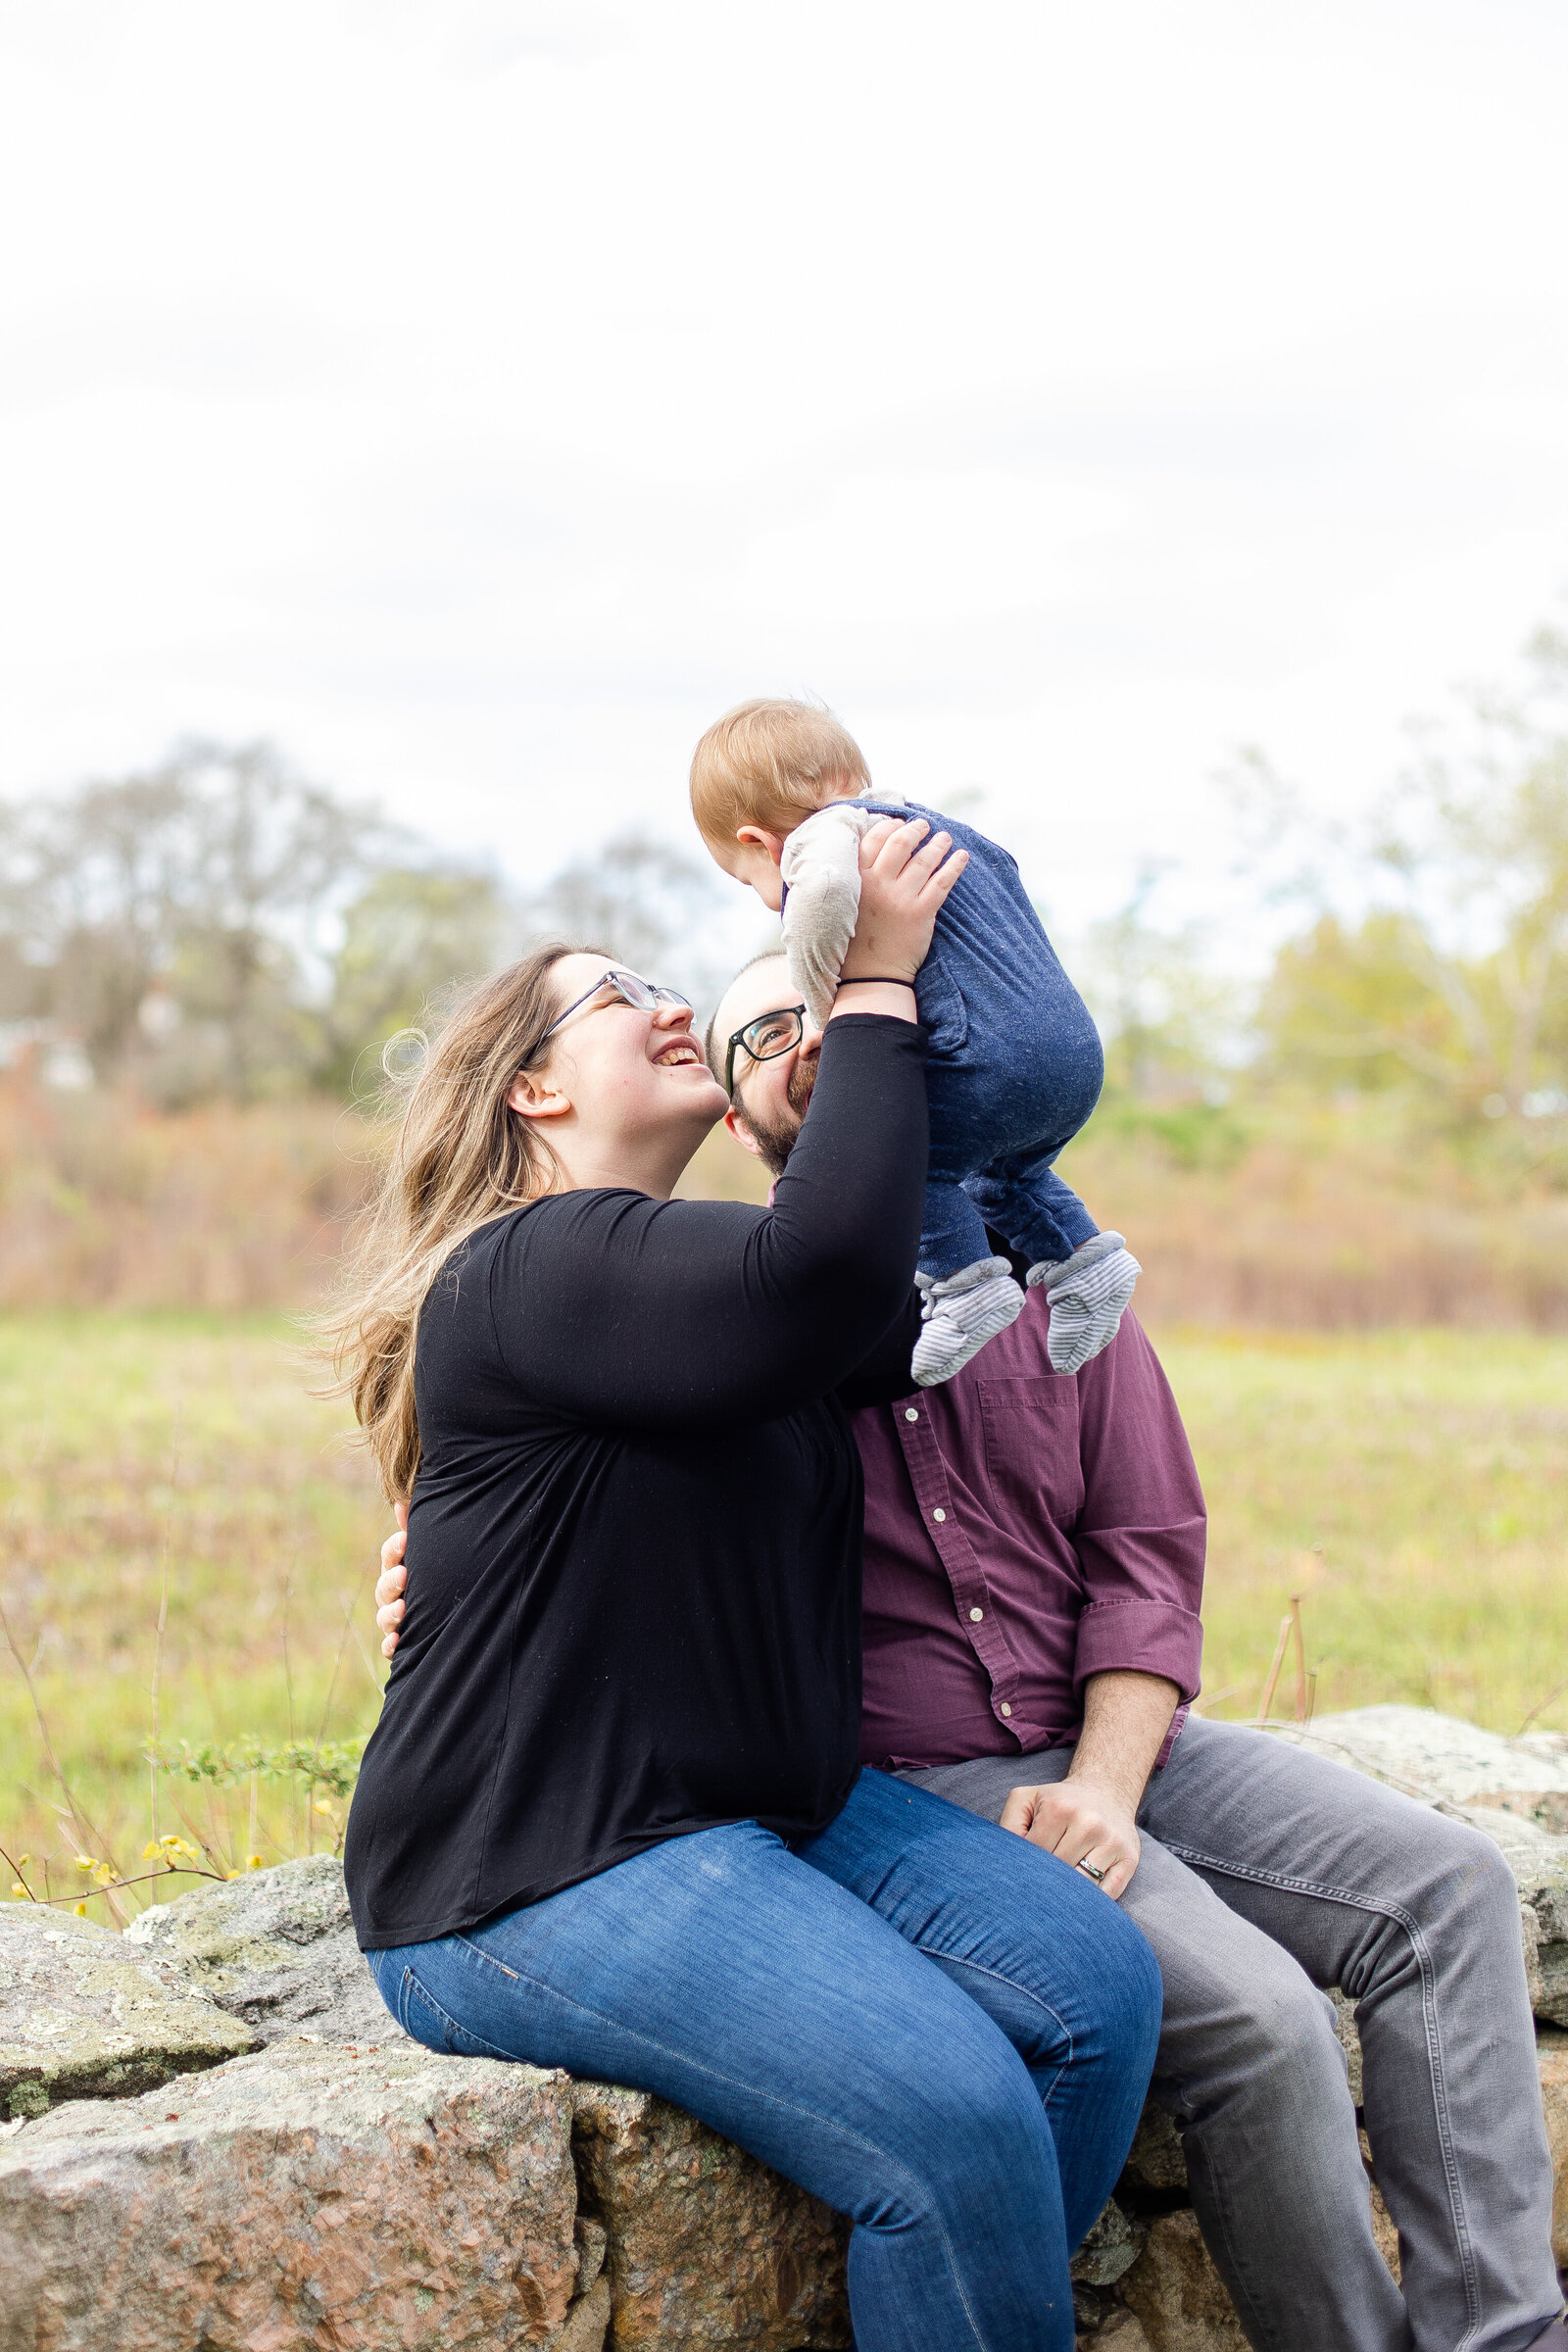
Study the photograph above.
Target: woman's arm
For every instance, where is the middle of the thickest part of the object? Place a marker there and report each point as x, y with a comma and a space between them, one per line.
683, 1315
884, 1375
614, 1307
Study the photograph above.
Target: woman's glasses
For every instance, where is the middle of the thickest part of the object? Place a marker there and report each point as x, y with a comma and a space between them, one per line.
630, 989
765, 1039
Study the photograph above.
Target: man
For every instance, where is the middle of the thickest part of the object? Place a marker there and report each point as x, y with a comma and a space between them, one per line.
1033, 1567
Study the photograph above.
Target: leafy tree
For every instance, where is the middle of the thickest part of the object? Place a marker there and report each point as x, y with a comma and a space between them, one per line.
1348, 1007
1171, 1027
1457, 983
408, 937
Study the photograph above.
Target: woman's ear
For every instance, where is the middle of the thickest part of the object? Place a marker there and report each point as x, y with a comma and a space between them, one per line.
772, 843
533, 1096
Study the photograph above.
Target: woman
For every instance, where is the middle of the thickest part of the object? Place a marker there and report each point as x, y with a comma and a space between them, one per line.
612, 1818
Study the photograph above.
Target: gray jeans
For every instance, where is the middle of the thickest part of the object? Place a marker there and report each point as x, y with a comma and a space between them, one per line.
1266, 1872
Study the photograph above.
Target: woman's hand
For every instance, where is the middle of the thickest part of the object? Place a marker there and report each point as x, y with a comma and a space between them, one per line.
389, 1584
904, 881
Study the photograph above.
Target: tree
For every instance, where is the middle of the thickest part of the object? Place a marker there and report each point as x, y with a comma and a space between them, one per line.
1457, 981
1169, 1025
222, 925
196, 889
409, 937
1349, 1006
642, 901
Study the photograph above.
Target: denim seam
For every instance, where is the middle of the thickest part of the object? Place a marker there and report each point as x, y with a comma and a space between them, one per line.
790, 2106
1397, 1912
410, 1980
947, 1960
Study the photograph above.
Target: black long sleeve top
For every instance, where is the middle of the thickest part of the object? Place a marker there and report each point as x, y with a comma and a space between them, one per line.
634, 1540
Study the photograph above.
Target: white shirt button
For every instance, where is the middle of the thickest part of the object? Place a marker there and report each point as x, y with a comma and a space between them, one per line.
939, 1515
909, 1414
1005, 1709
975, 1616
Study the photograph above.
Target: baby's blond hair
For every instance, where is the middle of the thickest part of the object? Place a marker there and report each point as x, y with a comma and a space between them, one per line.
770, 763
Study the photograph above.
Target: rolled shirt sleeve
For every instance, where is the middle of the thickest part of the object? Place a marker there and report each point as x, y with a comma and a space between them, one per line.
1024, 1531
1141, 1532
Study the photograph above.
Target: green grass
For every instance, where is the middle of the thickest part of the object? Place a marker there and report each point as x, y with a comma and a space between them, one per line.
1413, 1486
132, 1441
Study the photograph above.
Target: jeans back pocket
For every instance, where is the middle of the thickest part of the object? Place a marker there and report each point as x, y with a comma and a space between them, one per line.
423, 2020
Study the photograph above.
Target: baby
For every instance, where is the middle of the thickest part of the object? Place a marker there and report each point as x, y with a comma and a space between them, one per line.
782, 797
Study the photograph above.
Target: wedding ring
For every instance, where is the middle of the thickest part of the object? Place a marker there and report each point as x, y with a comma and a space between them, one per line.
1089, 1871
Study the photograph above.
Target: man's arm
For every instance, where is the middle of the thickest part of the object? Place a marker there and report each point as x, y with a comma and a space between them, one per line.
390, 1583
1140, 1539
1092, 1816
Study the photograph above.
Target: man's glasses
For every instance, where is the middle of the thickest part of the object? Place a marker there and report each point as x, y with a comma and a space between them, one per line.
630, 989
765, 1039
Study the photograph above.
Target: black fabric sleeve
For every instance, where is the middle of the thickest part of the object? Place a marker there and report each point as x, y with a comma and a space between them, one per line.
885, 1374
682, 1316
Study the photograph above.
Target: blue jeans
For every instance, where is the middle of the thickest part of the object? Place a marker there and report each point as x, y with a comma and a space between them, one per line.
920, 2018
1013, 1067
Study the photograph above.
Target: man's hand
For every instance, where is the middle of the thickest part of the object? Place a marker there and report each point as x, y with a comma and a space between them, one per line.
1092, 1816
1081, 1819
390, 1583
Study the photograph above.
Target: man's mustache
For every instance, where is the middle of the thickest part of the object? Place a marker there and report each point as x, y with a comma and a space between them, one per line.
798, 1093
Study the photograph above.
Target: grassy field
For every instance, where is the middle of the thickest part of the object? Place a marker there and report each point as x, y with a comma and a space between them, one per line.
1412, 1485
139, 1448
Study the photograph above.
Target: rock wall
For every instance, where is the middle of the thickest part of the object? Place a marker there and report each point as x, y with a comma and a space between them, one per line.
307, 2195
216, 2137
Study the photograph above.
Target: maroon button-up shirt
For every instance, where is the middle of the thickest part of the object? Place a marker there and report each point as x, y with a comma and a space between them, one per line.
1024, 1531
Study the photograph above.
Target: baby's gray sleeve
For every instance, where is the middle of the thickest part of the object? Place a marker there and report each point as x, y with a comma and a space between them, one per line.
821, 869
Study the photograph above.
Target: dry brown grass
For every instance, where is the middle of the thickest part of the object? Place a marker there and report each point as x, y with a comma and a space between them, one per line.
104, 1204
1325, 1221
1288, 1219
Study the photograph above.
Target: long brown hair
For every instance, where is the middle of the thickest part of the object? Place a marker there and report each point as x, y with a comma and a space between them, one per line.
459, 1157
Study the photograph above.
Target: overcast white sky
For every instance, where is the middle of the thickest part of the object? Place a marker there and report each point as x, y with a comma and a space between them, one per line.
479, 396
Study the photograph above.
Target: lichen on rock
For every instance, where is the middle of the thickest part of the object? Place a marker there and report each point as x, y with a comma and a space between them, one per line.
84, 2015
278, 1949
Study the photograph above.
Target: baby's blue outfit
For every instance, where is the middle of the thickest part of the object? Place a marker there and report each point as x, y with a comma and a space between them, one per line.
1013, 1066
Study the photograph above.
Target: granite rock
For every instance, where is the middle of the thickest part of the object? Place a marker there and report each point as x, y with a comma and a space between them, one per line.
308, 2198
1443, 1757
1110, 2249
275, 1949
82, 2015
1553, 2057
705, 2246
1175, 2293
1156, 2160
1119, 2330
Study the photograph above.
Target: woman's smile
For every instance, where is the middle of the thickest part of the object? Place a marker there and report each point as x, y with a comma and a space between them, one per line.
677, 1051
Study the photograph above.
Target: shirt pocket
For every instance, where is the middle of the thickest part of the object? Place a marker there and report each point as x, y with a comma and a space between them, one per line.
941, 1007
1031, 1448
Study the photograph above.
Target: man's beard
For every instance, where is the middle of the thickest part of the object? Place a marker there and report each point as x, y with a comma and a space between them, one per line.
776, 1138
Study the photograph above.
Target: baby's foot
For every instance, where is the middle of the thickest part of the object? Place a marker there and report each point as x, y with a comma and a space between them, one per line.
961, 1312
1088, 1292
